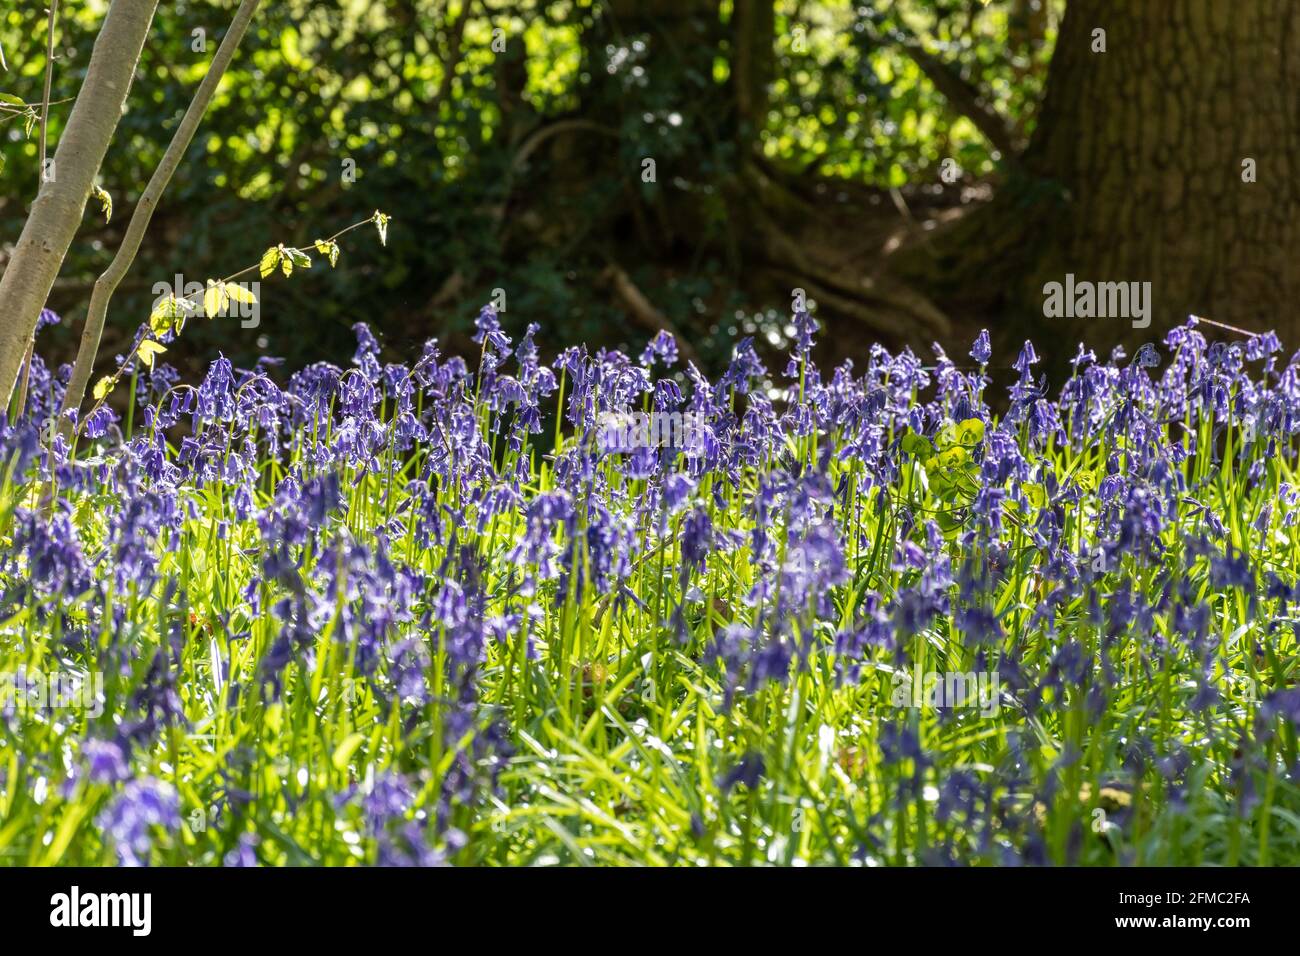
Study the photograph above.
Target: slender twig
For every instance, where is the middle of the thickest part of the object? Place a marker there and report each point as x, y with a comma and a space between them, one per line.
117, 375
31, 107
1202, 320
49, 76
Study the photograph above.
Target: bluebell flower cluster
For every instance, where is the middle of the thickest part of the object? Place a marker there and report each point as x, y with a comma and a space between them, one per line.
413, 615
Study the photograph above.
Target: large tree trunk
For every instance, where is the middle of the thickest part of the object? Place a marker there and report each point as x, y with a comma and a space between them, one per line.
58, 208
1135, 173
1149, 139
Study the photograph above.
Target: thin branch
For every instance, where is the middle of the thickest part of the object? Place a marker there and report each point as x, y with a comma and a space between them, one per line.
68, 428
49, 76
27, 109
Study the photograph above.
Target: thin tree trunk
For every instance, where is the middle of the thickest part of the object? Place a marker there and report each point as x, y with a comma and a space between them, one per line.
108, 282
21, 404
58, 208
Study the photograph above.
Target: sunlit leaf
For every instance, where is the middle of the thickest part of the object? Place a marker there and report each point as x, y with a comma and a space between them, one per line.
103, 387
330, 249
149, 350
215, 299
269, 260
240, 293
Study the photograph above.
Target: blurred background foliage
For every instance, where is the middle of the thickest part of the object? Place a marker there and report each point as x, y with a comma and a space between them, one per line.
508, 141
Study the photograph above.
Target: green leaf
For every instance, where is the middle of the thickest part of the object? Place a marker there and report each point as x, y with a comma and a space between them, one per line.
269, 260
381, 223
970, 432
12, 100
1035, 494
240, 293
149, 350
330, 249
918, 446
160, 319
300, 259
102, 388
953, 457
215, 299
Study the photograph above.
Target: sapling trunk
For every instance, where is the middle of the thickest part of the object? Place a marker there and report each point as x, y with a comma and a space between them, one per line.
44, 142
57, 210
108, 282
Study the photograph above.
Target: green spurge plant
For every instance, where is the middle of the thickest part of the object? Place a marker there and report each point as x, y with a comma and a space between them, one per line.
384, 614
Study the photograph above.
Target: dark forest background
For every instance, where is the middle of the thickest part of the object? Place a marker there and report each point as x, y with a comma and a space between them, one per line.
918, 168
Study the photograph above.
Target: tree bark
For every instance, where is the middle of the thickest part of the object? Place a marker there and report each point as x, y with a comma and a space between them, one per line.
58, 208
1135, 173
53, 14
1149, 139
108, 282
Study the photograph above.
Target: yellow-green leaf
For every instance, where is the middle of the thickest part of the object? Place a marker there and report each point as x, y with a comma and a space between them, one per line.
269, 260
970, 432
953, 457
149, 350
330, 249
215, 299
103, 387
240, 293
1035, 494
160, 319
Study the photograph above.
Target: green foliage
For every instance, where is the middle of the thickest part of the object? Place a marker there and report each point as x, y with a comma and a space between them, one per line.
431, 121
